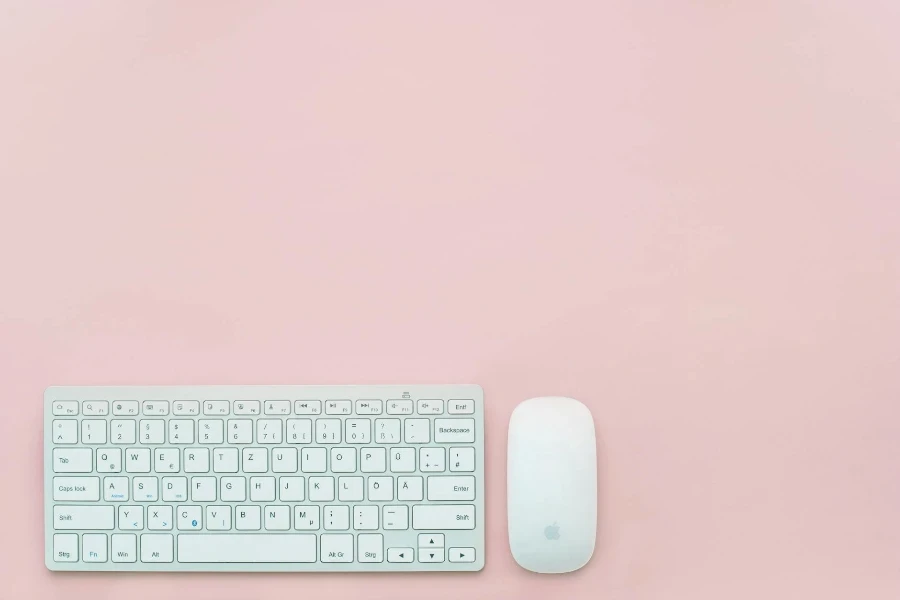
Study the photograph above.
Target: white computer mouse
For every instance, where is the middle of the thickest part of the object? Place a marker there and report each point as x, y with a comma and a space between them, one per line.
552, 484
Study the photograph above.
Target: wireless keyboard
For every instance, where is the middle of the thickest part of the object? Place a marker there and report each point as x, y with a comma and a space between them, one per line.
264, 478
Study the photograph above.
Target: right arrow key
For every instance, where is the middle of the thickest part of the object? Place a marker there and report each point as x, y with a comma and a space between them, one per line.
461, 555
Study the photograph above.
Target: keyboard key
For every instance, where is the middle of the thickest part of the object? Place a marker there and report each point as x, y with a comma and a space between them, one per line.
203, 489
343, 460
137, 460
461, 555
380, 489
211, 431
157, 547
155, 408
430, 407
368, 407
461, 487
400, 555
443, 516
186, 408
417, 431
262, 489
181, 431
338, 407
175, 489
462, 459
226, 460
124, 548
109, 460
130, 517
278, 407
336, 517
159, 517
308, 407
247, 518
277, 518
93, 431
290, 489
370, 547
115, 489
65, 408
284, 460
146, 489
387, 431
93, 547
65, 431
83, 517
399, 407
461, 407
431, 555
233, 489
328, 431
125, 408
216, 408
166, 460
365, 517
65, 547
73, 460
431, 540
153, 431
189, 518
218, 518
403, 460
299, 431
196, 460
373, 460
431, 460
358, 431
247, 547
76, 489
95, 408
313, 460
306, 517
350, 489
122, 431
321, 489
246, 407
337, 547
240, 431
409, 488
268, 431
254, 460
454, 430
395, 517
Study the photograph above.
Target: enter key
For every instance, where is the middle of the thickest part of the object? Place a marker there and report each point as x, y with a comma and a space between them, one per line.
461, 487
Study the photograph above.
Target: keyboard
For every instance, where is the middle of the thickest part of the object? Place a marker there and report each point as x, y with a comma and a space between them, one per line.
383, 478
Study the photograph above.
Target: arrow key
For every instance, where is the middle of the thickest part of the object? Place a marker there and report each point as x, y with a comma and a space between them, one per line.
431, 540
431, 555
462, 555
400, 555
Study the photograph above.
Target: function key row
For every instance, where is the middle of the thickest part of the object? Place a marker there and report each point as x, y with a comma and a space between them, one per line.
190, 408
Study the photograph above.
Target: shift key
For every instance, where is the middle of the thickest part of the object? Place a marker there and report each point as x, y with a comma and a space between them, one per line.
443, 516
83, 517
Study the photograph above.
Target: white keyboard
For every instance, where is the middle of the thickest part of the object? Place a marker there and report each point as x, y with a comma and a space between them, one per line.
264, 478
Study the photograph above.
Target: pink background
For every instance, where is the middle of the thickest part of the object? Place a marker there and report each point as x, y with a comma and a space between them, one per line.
686, 214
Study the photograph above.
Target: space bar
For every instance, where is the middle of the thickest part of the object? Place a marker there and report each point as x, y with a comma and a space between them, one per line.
247, 548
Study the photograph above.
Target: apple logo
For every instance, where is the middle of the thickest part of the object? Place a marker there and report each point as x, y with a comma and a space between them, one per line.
551, 532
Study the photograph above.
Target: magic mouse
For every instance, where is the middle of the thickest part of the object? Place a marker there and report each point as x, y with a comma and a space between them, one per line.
551, 484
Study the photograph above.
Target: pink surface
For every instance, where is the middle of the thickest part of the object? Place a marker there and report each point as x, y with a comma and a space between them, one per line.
685, 214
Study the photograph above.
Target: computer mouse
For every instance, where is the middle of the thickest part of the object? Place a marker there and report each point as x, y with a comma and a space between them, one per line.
551, 482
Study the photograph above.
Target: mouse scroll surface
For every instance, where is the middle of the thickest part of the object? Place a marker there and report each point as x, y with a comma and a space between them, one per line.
552, 485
